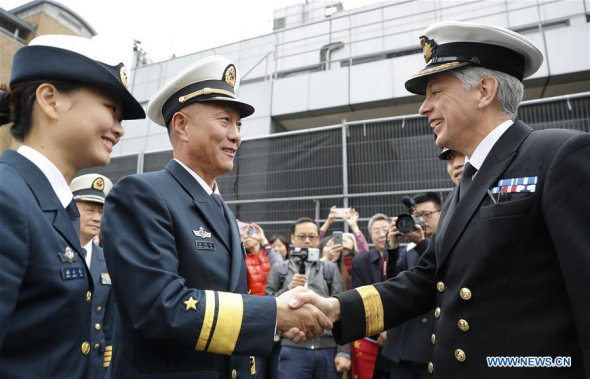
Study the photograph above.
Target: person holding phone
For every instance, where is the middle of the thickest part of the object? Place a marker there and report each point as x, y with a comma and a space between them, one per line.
259, 258
351, 217
66, 105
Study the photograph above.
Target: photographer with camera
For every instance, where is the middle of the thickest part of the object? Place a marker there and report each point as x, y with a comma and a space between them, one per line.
316, 357
408, 345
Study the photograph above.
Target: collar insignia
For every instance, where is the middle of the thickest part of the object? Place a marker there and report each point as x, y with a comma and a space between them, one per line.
202, 233
428, 48
229, 75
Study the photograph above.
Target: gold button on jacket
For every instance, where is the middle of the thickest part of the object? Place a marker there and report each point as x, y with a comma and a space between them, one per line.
85, 348
460, 355
433, 338
430, 367
437, 312
465, 293
463, 325
88, 296
440, 286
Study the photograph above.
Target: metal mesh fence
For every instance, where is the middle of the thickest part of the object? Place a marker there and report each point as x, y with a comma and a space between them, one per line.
279, 178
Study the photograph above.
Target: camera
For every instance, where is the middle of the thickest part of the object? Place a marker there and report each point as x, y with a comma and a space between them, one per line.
305, 254
300, 255
406, 221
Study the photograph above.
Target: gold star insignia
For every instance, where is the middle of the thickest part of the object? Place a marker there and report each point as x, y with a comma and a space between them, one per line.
191, 304
357, 344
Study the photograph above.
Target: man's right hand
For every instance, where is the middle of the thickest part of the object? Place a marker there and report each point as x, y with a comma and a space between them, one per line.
303, 322
416, 235
393, 235
330, 306
299, 280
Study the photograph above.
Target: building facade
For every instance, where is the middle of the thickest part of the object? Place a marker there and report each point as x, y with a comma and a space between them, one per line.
323, 64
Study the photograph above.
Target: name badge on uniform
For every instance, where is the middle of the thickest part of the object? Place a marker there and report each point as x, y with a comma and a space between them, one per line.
71, 273
105, 279
68, 256
205, 245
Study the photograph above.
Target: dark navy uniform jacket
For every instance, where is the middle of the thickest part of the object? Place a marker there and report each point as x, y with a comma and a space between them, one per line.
409, 341
178, 273
103, 317
509, 278
45, 293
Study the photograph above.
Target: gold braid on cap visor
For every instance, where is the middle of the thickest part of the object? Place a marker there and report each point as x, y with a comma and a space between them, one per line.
206, 91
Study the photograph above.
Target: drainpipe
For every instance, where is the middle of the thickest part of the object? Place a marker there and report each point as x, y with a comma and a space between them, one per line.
325, 53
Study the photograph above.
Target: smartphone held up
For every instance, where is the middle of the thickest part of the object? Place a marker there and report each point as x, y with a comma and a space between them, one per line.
246, 230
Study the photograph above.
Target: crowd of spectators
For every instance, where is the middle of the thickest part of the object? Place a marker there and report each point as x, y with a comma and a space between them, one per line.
329, 263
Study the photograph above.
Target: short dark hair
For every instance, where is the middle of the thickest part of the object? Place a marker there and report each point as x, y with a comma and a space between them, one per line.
303, 220
428, 196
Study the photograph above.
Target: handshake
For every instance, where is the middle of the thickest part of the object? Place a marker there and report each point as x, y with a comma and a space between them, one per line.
302, 314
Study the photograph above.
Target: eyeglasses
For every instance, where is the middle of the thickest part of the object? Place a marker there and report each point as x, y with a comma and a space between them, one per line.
303, 237
425, 214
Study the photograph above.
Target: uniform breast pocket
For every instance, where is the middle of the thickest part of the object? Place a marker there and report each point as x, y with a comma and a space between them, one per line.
509, 208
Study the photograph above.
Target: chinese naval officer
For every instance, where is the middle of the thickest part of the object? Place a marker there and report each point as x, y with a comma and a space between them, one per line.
507, 271
89, 192
173, 247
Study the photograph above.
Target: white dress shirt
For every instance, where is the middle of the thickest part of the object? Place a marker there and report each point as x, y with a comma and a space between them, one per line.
485, 146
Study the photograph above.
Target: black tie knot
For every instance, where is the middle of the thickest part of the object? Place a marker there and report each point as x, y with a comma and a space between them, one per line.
466, 177
469, 170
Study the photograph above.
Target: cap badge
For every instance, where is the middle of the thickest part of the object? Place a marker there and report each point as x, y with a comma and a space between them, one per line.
123, 75
202, 233
230, 75
98, 184
428, 47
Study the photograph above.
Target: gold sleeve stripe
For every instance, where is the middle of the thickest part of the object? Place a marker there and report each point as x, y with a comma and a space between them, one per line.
109, 348
229, 323
373, 310
108, 353
207, 321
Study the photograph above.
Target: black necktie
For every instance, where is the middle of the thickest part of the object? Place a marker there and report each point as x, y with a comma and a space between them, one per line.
466, 178
217, 200
72, 210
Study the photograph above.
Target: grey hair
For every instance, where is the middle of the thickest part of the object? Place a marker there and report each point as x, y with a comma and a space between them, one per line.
376, 217
510, 89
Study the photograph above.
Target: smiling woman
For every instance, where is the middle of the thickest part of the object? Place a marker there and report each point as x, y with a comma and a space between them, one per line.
66, 109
